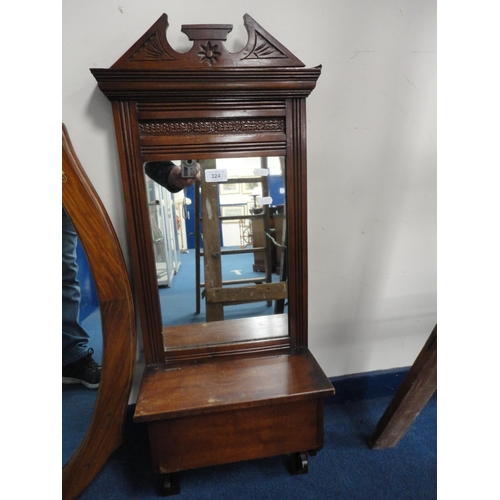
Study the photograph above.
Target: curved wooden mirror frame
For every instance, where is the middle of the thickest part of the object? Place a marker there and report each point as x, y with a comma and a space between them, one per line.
103, 251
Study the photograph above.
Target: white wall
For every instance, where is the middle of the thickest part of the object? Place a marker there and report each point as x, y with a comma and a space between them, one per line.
371, 152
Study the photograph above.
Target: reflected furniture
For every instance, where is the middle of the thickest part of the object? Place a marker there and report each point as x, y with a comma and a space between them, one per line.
216, 290
273, 263
98, 238
252, 241
219, 391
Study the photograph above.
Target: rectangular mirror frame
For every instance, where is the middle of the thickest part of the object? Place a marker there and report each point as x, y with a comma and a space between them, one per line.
167, 109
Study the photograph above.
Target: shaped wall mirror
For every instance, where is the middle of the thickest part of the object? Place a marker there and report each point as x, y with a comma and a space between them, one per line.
220, 267
99, 241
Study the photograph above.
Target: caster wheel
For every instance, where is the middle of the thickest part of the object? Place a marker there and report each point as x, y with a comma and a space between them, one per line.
170, 484
300, 463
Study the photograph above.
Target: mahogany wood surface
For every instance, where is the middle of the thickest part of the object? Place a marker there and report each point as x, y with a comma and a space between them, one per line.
238, 337
224, 332
415, 391
240, 434
226, 411
105, 258
152, 50
218, 385
250, 388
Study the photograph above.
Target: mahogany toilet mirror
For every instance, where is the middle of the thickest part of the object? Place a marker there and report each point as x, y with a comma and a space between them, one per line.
241, 116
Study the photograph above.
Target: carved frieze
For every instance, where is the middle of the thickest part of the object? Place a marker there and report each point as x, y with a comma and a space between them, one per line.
218, 126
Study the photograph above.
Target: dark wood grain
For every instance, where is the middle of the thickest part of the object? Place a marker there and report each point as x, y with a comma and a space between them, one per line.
227, 384
214, 394
238, 409
238, 337
152, 49
219, 333
232, 436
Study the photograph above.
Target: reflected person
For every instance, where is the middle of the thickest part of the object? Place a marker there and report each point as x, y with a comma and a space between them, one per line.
169, 175
78, 365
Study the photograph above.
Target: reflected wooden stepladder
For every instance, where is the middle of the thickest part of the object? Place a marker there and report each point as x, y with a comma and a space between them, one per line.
261, 289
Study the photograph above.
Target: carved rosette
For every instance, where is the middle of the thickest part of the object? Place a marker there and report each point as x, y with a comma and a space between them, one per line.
209, 53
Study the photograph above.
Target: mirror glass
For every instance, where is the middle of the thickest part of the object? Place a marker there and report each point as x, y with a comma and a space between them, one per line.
78, 401
220, 244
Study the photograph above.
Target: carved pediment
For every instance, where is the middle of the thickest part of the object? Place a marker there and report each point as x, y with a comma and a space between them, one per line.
208, 50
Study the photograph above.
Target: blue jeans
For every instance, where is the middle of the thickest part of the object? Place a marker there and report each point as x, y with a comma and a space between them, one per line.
74, 337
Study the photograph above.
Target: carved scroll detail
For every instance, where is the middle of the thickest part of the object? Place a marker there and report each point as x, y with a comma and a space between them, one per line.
212, 126
152, 50
208, 51
265, 50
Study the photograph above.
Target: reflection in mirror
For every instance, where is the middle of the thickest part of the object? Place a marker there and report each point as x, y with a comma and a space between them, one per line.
220, 244
80, 303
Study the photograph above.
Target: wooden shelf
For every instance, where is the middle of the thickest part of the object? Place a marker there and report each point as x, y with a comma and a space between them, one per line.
232, 331
227, 384
236, 337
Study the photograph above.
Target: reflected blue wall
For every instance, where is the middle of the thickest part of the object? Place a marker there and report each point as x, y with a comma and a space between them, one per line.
89, 301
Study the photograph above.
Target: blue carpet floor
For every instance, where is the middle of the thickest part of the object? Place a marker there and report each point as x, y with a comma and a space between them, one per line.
178, 303
346, 468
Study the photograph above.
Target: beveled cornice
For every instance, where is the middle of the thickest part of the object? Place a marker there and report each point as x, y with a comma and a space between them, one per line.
239, 83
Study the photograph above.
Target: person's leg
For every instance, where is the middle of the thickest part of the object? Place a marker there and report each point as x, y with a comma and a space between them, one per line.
74, 337
78, 366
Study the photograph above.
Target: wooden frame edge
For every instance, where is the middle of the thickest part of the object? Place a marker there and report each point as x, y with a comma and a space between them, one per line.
103, 251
